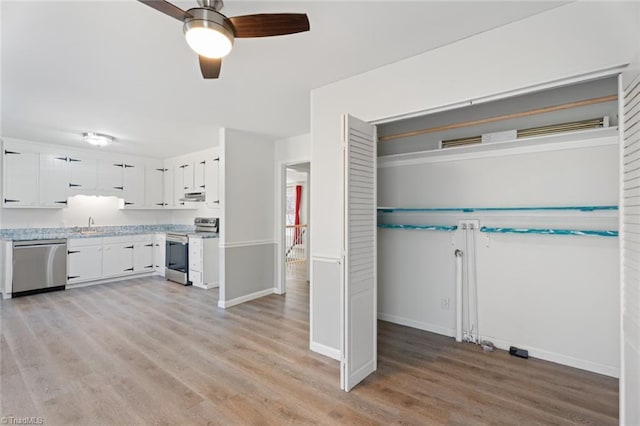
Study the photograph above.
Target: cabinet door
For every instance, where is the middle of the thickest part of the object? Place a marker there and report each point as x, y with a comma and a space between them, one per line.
195, 254
21, 178
178, 186
117, 259
169, 187
54, 180
188, 177
83, 174
143, 256
133, 183
211, 183
154, 185
199, 174
84, 264
110, 177
159, 254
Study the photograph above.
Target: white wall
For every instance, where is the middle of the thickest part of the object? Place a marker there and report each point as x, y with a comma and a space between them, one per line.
519, 55
247, 239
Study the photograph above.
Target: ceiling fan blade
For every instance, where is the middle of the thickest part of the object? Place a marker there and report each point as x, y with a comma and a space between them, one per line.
269, 24
167, 8
210, 67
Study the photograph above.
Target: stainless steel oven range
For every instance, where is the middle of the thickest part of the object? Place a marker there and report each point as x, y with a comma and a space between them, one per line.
177, 258
177, 249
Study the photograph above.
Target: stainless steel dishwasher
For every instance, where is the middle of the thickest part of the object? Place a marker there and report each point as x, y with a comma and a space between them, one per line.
39, 266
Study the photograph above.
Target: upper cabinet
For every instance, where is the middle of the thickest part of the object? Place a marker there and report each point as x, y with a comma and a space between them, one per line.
20, 177
40, 175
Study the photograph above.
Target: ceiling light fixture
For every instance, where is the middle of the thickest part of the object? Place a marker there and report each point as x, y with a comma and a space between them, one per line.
97, 139
208, 33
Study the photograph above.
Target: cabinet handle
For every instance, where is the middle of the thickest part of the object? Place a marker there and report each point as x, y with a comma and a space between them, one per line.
216, 202
74, 160
73, 185
148, 245
119, 187
128, 166
157, 245
149, 266
129, 247
159, 204
216, 159
70, 277
182, 204
161, 170
129, 269
201, 186
203, 162
186, 187
118, 165
60, 202
61, 158
73, 251
126, 203
6, 151
7, 200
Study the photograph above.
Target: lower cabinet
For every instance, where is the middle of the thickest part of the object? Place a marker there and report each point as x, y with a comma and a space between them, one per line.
203, 262
90, 259
160, 253
84, 260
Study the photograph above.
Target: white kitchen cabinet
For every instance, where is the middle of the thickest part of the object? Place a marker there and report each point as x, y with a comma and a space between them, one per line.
143, 250
199, 175
54, 180
188, 173
159, 252
203, 262
169, 187
133, 184
83, 174
212, 198
84, 260
21, 184
117, 257
110, 174
154, 185
178, 186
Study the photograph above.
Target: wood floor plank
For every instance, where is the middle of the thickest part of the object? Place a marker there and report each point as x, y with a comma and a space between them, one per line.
147, 351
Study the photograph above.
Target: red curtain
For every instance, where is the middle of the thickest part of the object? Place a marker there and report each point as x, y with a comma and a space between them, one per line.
297, 216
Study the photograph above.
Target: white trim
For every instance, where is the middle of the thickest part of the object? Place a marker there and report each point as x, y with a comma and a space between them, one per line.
582, 364
325, 350
248, 243
246, 298
621, 247
109, 280
577, 140
433, 328
206, 286
580, 78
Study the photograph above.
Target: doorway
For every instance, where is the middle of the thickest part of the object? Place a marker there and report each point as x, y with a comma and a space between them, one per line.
295, 231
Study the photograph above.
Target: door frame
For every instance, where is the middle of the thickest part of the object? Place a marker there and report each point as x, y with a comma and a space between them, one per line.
280, 225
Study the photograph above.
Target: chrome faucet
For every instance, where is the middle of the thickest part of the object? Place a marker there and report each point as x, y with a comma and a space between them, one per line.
91, 222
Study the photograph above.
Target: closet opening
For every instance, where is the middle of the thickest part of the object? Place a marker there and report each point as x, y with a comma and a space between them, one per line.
497, 223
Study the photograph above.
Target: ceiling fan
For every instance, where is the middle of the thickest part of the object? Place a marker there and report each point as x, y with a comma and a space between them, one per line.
210, 34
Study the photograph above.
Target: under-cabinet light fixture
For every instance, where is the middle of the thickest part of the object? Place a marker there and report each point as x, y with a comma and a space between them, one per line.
97, 139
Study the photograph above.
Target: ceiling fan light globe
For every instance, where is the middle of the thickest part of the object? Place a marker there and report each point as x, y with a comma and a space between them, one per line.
208, 42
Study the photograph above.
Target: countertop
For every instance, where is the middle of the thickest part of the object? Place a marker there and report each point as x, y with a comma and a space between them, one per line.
24, 234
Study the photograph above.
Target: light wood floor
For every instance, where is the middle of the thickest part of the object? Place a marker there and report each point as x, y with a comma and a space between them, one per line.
147, 351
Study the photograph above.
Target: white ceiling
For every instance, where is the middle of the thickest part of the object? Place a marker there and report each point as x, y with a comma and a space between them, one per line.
122, 68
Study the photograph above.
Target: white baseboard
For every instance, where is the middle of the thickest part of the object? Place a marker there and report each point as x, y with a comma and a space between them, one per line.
582, 364
109, 280
325, 350
433, 328
206, 286
238, 300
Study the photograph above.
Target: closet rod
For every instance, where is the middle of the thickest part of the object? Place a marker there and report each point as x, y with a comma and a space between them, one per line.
492, 209
419, 227
590, 233
521, 114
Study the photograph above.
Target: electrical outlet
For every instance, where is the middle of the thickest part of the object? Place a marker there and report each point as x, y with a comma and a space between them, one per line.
469, 224
444, 303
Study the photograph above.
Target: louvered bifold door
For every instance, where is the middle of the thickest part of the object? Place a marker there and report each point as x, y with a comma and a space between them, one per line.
359, 340
630, 247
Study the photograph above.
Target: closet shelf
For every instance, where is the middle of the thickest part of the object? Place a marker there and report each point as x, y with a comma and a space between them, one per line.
493, 209
419, 227
593, 233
